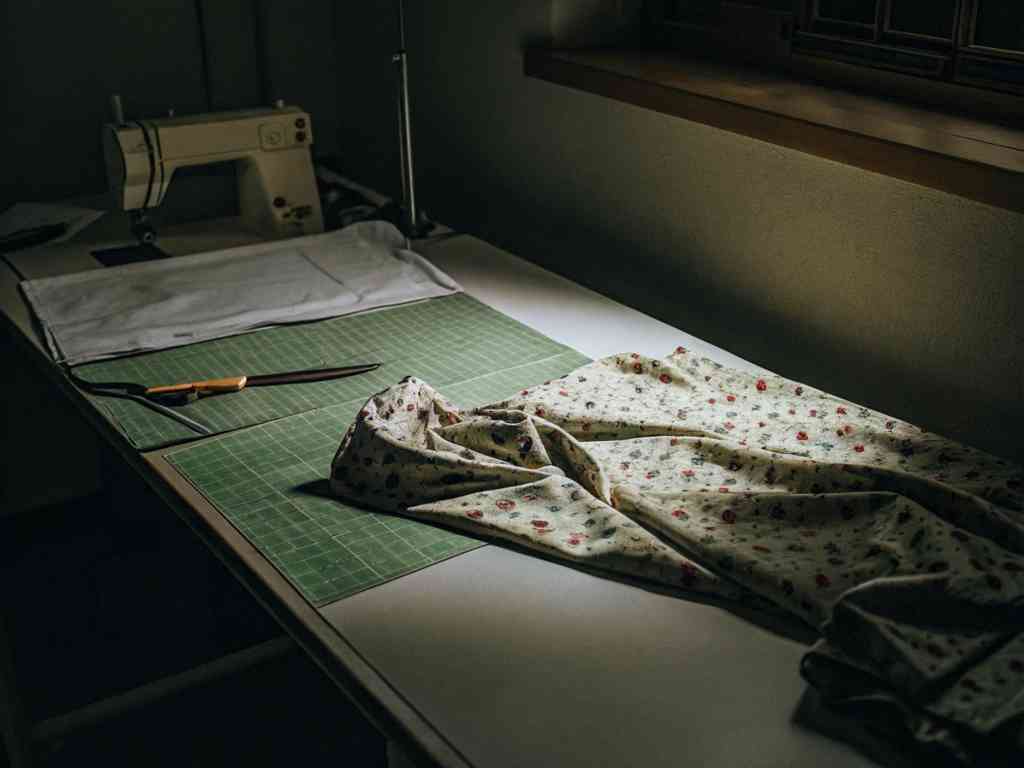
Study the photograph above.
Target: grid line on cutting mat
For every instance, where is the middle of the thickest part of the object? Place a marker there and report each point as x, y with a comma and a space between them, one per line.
443, 341
270, 482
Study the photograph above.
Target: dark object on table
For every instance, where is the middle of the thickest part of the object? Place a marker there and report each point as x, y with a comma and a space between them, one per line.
26, 238
128, 254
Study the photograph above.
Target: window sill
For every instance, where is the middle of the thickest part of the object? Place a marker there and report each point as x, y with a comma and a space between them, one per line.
972, 158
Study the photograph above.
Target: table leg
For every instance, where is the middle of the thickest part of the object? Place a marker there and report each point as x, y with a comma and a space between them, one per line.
13, 725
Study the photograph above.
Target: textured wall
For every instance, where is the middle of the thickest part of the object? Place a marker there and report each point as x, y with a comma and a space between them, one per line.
894, 295
63, 60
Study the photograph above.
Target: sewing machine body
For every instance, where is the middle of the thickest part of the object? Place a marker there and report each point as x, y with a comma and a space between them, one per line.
276, 183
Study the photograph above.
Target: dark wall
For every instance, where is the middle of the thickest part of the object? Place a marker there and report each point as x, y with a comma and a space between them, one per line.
62, 60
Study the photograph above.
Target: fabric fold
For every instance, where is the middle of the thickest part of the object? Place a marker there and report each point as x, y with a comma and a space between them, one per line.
903, 549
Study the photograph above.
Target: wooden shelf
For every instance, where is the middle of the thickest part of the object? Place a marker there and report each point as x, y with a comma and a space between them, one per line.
975, 159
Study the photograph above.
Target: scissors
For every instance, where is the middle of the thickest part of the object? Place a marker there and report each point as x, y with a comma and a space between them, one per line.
162, 398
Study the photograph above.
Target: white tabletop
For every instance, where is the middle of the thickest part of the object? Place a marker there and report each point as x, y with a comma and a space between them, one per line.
511, 660
520, 661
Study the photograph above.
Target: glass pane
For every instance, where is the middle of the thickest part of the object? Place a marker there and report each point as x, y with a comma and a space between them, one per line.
1000, 24
772, 5
697, 9
858, 11
690, 10
924, 17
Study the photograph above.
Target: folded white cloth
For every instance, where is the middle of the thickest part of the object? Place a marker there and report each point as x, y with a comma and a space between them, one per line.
112, 312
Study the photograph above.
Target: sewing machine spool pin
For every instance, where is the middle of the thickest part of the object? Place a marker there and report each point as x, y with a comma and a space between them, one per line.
116, 109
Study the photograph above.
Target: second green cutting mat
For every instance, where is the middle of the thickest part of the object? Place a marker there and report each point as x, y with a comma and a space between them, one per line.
270, 482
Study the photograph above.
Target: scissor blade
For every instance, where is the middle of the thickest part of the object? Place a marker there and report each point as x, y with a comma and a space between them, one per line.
317, 374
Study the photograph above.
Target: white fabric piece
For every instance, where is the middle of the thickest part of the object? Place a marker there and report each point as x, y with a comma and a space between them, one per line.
112, 312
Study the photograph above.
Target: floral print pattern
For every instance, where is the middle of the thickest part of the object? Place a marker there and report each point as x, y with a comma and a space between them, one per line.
903, 549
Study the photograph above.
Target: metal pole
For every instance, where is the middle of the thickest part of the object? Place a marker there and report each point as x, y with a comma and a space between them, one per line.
400, 59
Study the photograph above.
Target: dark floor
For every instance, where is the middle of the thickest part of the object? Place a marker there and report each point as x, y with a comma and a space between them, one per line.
108, 593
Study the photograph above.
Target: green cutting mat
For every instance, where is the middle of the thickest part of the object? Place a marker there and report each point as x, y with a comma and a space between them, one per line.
443, 341
270, 481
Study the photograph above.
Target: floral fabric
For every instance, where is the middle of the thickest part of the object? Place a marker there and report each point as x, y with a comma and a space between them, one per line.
903, 549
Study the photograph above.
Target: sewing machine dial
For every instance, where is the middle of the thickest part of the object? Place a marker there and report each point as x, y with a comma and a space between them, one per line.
284, 135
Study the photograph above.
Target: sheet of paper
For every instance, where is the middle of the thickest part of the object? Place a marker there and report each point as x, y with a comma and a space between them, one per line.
31, 215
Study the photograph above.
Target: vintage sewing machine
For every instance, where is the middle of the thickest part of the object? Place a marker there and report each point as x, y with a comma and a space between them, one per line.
276, 184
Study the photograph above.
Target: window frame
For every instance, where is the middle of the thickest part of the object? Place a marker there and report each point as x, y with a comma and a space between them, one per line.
968, 29
888, 31
957, 69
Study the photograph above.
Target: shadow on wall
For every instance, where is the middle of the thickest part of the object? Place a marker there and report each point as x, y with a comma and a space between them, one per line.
669, 286
889, 294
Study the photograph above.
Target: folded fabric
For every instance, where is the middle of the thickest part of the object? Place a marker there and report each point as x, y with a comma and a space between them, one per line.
903, 549
105, 313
